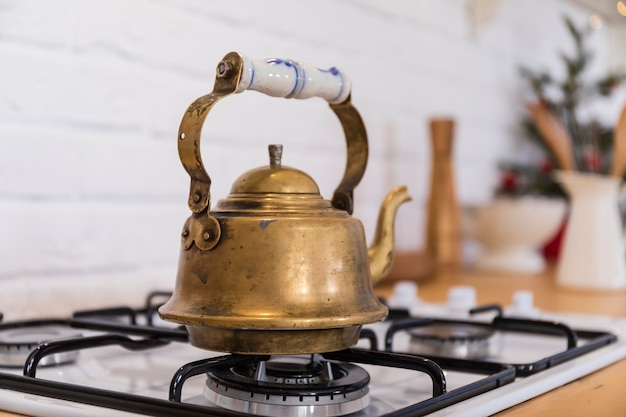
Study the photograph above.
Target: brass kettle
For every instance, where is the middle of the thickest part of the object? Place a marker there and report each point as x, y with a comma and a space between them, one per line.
275, 268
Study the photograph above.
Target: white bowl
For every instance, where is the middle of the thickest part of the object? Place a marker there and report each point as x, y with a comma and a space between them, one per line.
512, 230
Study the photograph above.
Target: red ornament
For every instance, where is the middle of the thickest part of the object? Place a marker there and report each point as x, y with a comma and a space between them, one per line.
552, 248
546, 166
593, 161
509, 181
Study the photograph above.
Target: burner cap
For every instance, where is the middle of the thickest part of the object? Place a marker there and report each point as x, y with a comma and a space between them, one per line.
290, 386
453, 340
16, 344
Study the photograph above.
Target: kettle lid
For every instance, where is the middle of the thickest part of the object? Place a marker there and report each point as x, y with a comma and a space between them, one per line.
275, 178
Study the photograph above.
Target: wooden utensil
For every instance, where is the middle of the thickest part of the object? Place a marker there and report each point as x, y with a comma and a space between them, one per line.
619, 146
554, 132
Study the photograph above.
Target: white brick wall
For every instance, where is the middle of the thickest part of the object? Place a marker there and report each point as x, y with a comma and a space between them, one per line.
92, 194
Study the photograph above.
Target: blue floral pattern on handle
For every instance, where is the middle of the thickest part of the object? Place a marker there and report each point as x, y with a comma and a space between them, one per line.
290, 79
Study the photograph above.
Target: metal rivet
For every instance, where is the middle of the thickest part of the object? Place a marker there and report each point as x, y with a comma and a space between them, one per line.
196, 197
185, 233
206, 236
182, 136
224, 69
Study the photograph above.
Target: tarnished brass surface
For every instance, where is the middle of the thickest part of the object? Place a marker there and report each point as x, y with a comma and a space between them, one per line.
275, 268
303, 271
380, 252
278, 342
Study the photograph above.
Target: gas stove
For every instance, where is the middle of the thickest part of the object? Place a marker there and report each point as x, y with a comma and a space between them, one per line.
439, 360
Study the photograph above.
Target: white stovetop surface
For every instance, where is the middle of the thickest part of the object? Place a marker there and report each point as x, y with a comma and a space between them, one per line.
149, 373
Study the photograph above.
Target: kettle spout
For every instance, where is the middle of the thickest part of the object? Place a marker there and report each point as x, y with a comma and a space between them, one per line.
380, 252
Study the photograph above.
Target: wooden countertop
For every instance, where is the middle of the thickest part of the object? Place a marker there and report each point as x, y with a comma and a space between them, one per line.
598, 394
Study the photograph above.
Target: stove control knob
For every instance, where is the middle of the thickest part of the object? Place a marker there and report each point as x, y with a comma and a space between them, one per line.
404, 295
461, 299
523, 305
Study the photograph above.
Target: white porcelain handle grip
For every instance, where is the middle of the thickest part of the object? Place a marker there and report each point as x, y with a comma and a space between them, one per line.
286, 78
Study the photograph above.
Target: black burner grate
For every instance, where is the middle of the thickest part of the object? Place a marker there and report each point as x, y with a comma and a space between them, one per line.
594, 339
136, 330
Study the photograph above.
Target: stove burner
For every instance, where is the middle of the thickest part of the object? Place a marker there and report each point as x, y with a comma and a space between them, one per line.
290, 386
17, 343
451, 340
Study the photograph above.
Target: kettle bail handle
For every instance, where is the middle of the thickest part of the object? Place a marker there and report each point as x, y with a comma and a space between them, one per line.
236, 73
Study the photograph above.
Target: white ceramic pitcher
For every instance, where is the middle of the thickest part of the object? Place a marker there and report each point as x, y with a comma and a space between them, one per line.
592, 255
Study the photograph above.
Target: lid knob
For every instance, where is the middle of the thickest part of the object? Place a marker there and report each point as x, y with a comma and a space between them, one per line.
276, 154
